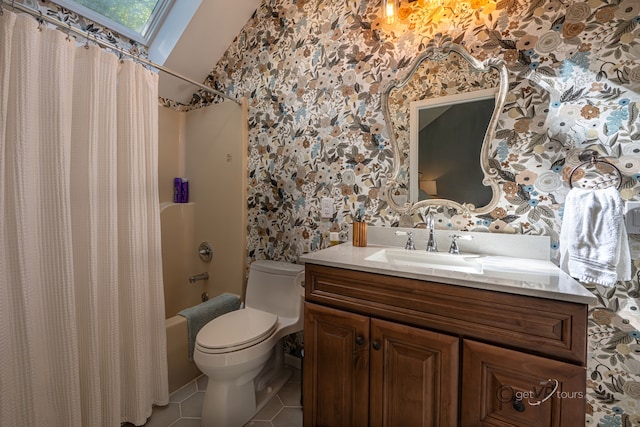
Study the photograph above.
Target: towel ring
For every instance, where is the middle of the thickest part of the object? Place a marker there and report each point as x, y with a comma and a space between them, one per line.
590, 157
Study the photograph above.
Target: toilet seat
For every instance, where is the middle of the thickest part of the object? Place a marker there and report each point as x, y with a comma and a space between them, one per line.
236, 330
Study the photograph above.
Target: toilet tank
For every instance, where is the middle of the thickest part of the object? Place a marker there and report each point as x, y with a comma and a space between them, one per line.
275, 287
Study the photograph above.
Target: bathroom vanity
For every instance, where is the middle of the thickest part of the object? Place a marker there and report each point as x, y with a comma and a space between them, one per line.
411, 342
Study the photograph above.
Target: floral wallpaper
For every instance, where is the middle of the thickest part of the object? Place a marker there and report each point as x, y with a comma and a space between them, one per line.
313, 72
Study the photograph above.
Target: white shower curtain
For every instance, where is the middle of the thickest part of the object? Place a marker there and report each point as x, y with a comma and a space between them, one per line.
82, 331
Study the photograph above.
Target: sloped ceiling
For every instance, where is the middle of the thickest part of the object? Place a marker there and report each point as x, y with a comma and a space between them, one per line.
208, 35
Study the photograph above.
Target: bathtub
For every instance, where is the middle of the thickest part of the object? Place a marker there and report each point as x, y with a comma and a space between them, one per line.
181, 369
177, 239
180, 242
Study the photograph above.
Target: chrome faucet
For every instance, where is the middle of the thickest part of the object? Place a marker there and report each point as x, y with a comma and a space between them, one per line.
432, 246
455, 249
203, 276
410, 246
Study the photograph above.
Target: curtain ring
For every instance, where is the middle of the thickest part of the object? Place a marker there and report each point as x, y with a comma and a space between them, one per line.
40, 20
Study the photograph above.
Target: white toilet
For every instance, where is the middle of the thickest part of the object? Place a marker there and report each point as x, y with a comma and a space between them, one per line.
241, 351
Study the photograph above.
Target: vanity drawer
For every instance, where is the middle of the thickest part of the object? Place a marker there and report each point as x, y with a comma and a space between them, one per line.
537, 325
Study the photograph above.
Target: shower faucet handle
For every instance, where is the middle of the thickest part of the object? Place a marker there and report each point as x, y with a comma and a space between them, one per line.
205, 251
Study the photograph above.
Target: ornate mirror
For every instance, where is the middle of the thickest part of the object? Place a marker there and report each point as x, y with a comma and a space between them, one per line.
429, 115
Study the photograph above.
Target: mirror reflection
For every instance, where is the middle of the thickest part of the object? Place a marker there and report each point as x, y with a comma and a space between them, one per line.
445, 81
446, 139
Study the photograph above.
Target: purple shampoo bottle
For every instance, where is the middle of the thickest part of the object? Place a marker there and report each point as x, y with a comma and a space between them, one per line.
184, 194
177, 190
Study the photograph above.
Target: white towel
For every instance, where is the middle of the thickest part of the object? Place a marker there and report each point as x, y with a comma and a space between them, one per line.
593, 239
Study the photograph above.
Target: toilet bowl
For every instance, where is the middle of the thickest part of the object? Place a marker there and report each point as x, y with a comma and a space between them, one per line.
241, 352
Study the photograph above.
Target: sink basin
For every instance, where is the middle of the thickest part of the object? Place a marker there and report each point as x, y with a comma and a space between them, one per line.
438, 260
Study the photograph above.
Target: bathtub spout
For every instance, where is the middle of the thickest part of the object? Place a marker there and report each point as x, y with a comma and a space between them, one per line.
203, 276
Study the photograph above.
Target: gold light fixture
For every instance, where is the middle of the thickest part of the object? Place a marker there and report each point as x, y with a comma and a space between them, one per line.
430, 4
390, 10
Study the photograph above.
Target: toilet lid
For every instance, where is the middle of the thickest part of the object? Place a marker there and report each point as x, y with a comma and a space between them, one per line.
237, 328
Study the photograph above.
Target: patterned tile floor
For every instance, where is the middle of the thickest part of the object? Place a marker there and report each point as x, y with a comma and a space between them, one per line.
185, 406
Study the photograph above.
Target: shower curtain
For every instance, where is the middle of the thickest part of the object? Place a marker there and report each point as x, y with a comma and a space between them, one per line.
82, 331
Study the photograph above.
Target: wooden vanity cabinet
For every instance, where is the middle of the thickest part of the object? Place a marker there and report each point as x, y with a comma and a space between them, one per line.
503, 387
388, 351
370, 372
337, 364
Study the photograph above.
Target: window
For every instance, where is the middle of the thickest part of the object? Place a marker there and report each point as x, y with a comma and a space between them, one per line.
136, 19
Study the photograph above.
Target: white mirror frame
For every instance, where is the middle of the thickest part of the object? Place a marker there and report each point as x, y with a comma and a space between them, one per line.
437, 50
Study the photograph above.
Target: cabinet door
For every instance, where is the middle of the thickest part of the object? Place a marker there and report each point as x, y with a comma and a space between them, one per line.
414, 377
336, 368
503, 387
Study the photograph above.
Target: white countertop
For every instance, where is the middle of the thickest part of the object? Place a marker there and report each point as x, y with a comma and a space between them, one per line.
521, 276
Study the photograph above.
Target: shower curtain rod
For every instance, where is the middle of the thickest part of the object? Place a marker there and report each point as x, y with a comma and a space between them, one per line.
40, 16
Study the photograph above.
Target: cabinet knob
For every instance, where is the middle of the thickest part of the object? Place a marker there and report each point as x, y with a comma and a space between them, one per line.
359, 340
376, 345
518, 405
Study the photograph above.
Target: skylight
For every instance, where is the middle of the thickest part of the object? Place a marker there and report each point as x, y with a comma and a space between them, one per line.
136, 19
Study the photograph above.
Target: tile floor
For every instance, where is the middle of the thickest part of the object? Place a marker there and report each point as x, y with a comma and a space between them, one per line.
185, 406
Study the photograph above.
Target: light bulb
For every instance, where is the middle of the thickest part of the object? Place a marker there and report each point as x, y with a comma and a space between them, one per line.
390, 10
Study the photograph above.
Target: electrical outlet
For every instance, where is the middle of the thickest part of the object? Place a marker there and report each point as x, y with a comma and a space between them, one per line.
632, 214
326, 207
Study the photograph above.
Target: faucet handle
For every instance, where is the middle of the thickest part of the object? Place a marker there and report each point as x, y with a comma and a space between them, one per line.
454, 248
410, 246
